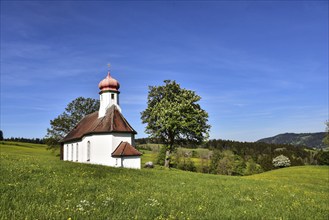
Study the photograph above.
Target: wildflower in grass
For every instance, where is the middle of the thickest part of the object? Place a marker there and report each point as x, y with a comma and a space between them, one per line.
80, 207
153, 202
85, 206
107, 201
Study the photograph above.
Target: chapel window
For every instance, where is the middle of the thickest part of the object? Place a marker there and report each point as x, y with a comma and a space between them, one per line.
88, 151
67, 152
77, 152
72, 152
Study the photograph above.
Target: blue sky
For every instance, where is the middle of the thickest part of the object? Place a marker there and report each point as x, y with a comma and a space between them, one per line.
261, 67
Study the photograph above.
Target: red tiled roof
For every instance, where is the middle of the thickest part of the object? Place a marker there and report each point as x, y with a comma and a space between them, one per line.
112, 122
125, 149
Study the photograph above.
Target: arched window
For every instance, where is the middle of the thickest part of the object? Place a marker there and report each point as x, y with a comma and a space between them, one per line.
77, 152
72, 152
88, 151
67, 152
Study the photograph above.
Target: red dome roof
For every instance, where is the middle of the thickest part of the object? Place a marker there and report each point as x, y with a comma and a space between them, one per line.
109, 83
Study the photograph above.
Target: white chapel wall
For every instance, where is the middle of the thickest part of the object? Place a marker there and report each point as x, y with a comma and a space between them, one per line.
132, 162
118, 137
101, 148
72, 151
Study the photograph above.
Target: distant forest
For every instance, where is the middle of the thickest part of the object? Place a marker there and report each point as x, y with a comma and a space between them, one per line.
26, 140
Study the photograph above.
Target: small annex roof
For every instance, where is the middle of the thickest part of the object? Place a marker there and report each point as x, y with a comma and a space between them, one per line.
112, 122
125, 149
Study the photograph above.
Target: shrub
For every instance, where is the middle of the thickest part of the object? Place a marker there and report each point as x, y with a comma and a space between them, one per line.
183, 161
265, 161
323, 157
281, 161
186, 164
161, 156
216, 156
252, 167
222, 162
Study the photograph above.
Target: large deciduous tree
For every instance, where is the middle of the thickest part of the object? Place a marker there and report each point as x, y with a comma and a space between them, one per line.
66, 121
174, 116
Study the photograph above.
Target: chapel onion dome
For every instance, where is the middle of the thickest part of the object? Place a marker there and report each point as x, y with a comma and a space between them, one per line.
109, 84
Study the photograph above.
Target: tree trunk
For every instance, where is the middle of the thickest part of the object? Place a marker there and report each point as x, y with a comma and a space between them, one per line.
167, 159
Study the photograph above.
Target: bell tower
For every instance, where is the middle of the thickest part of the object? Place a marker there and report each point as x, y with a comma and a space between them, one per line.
109, 94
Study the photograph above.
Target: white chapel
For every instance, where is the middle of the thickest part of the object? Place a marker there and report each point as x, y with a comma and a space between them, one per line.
104, 137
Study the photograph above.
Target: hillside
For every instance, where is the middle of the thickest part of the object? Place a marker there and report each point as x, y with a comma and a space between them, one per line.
36, 184
313, 140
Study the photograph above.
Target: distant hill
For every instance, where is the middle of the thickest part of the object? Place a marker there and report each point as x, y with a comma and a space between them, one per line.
313, 140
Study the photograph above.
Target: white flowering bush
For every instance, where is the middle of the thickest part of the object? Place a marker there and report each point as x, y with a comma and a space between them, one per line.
281, 161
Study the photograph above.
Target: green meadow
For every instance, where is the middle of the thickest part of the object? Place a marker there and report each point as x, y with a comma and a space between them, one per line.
35, 184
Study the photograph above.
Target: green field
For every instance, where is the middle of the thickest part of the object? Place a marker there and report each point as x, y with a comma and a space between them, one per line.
35, 184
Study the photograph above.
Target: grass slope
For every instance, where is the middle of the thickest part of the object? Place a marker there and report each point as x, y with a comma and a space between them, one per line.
36, 185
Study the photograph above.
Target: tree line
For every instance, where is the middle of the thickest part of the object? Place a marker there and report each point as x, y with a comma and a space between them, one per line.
25, 140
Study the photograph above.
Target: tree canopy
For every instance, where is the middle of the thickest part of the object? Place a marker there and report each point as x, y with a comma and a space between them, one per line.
66, 121
173, 116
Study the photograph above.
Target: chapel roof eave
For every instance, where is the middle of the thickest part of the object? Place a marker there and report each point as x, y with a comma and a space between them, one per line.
93, 133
